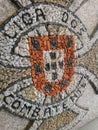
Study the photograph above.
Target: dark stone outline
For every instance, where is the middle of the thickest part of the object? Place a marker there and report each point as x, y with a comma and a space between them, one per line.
79, 120
15, 82
28, 76
36, 4
17, 3
38, 105
91, 83
35, 102
59, 114
40, 25
82, 117
25, 117
24, 33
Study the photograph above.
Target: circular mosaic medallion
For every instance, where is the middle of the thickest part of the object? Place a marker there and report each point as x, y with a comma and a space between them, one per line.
47, 38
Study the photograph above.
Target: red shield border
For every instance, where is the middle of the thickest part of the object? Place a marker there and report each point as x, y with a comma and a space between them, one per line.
37, 45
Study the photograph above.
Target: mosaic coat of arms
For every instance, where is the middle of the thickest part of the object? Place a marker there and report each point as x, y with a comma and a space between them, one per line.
43, 45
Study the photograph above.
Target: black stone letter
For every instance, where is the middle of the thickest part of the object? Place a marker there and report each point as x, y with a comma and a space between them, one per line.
16, 104
39, 13
8, 98
36, 112
65, 17
26, 19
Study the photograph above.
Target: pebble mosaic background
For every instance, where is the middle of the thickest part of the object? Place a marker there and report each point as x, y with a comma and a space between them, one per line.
48, 64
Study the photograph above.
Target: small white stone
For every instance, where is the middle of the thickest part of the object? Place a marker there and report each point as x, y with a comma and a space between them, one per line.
16, 51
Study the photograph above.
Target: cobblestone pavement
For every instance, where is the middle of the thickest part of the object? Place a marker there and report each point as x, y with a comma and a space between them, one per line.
48, 64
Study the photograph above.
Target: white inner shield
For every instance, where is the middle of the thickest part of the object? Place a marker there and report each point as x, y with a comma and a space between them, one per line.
53, 65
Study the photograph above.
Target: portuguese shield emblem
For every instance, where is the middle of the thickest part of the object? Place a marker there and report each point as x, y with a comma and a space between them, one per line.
52, 62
